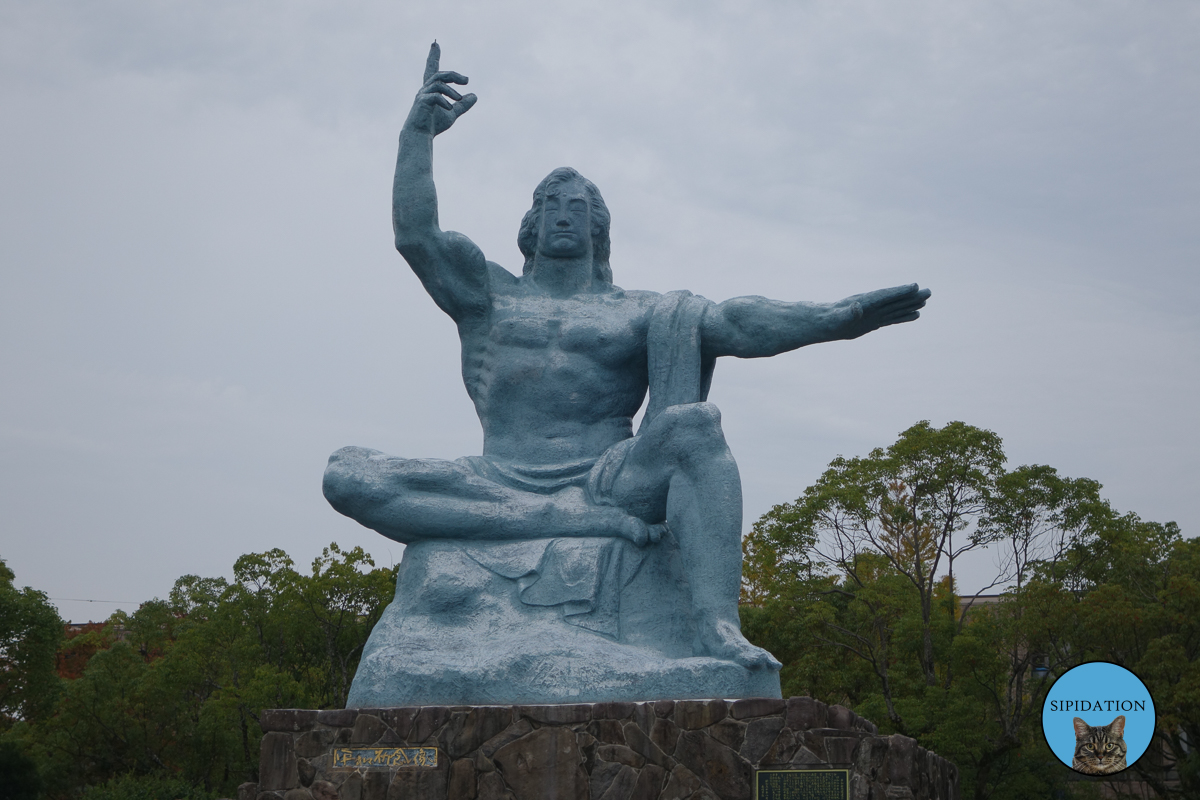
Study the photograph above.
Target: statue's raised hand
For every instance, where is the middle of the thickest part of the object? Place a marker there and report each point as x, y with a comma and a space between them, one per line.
433, 110
873, 310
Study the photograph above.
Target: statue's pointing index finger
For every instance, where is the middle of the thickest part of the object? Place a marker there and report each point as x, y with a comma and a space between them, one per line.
432, 62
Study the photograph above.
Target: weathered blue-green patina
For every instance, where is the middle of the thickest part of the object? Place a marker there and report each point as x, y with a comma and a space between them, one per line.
573, 561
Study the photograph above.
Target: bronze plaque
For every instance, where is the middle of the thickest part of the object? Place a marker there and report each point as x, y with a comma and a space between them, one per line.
802, 784
383, 757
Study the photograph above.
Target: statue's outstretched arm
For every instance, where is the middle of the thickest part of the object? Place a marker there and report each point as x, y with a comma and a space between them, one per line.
754, 327
452, 269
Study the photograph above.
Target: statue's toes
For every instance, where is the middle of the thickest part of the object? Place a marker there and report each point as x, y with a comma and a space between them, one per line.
636, 531
734, 646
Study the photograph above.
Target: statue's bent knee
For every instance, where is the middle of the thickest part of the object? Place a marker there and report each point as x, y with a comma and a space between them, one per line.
694, 428
352, 454
701, 416
343, 481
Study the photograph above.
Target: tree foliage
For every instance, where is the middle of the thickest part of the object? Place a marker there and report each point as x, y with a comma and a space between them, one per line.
171, 694
852, 586
30, 631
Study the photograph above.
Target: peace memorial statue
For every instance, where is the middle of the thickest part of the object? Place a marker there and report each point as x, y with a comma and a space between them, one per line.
574, 561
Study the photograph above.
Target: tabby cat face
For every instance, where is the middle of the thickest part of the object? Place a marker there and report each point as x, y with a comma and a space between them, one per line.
1099, 750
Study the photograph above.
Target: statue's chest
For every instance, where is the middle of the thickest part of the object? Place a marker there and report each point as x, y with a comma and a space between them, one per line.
604, 332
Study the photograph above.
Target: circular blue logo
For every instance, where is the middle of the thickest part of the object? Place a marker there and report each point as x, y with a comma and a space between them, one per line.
1098, 718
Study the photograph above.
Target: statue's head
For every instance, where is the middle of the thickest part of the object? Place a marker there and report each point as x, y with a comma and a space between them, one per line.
531, 225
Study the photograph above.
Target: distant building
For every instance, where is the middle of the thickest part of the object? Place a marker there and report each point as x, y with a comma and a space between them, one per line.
968, 603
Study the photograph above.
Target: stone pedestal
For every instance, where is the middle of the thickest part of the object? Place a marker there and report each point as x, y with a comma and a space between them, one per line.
664, 750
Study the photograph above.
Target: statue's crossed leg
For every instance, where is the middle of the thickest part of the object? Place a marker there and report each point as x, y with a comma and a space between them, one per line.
413, 499
677, 471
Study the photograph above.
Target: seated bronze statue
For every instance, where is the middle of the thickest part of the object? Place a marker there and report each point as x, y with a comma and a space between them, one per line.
574, 561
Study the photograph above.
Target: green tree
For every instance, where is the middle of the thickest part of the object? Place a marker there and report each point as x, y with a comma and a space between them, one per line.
30, 632
1130, 594
862, 565
174, 690
19, 778
344, 603
904, 505
1041, 518
132, 787
1034, 517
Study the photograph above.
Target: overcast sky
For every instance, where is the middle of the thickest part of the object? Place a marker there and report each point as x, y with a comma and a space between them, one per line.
199, 297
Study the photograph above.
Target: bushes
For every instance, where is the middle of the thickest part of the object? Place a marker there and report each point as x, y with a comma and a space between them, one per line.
146, 787
167, 704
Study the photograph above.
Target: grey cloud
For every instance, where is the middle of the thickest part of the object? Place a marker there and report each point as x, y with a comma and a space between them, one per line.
199, 300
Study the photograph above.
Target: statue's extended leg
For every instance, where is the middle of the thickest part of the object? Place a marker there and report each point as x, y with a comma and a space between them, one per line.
413, 499
680, 469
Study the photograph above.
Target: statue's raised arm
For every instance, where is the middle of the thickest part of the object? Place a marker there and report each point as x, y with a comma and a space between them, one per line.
450, 266
754, 327
573, 560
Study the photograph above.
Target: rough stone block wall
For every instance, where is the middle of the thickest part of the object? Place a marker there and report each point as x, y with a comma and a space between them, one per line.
664, 750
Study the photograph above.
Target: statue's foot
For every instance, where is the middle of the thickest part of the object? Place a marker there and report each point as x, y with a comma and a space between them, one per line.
723, 639
595, 520
635, 530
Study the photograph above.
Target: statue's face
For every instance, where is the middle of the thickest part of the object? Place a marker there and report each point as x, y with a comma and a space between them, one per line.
566, 222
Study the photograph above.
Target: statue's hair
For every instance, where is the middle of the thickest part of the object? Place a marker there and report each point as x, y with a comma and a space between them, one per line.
527, 237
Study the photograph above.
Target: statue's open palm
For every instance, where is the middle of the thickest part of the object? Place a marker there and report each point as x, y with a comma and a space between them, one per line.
873, 310
433, 110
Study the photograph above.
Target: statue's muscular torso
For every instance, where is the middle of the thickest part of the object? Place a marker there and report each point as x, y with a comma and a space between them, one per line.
555, 379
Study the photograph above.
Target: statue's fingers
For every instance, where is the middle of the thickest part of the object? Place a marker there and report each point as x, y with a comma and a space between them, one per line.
432, 61
441, 88
435, 99
909, 302
881, 299
893, 293
890, 305
448, 76
908, 299
896, 319
464, 105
